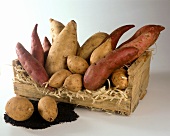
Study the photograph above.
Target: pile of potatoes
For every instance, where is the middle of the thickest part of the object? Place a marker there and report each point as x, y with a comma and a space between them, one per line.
64, 63
20, 108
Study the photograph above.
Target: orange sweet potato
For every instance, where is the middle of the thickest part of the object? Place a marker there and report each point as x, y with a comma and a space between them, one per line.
144, 40
36, 46
97, 73
32, 66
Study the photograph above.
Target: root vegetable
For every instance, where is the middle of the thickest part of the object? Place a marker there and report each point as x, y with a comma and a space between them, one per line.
47, 107
119, 78
64, 45
19, 108
76, 64
55, 28
36, 46
58, 78
144, 40
32, 66
73, 82
109, 44
97, 73
46, 48
91, 44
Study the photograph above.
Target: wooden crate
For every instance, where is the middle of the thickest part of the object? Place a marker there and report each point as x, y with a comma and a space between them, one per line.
110, 100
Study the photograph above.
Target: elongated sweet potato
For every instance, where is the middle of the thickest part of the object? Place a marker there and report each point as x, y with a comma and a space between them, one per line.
144, 40
97, 73
36, 46
109, 43
64, 45
143, 29
117, 33
32, 66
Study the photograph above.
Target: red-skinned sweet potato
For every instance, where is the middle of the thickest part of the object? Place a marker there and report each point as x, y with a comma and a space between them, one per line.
46, 47
31, 65
36, 46
144, 40
116, 34
143, 29
97, 73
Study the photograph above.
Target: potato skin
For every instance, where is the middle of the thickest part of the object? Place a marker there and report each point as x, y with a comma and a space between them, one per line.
77, 64
73, 82
57, 79
47, 107
19, 108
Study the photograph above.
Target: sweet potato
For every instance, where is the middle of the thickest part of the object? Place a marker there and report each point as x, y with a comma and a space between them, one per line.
101, 51
144, 40
32, 66
140, 31
97, 73
117, 33
55, 28
90, 44
65, 44
36, 46
109, 44
46, 48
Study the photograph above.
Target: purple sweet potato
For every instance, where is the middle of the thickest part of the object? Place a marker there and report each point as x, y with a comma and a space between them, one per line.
97, 73
36, 46
31, 65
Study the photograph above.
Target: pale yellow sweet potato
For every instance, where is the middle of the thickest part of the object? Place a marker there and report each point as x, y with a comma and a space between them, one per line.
91, 44
57, 79
101, 51
73, 82
55, 28
64, 45
77, 64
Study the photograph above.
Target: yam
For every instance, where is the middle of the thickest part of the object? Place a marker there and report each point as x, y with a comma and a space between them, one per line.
64, 45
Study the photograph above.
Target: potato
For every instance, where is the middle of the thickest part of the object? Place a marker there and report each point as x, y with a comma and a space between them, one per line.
64, 45
77, 64
119, 78
90, 44
19, 108
73, 82
57, 79
101, 51
47, 107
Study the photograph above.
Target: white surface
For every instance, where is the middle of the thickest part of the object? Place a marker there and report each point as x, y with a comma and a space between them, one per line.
151, 118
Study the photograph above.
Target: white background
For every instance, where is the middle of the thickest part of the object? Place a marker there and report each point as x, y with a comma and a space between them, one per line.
151, 117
